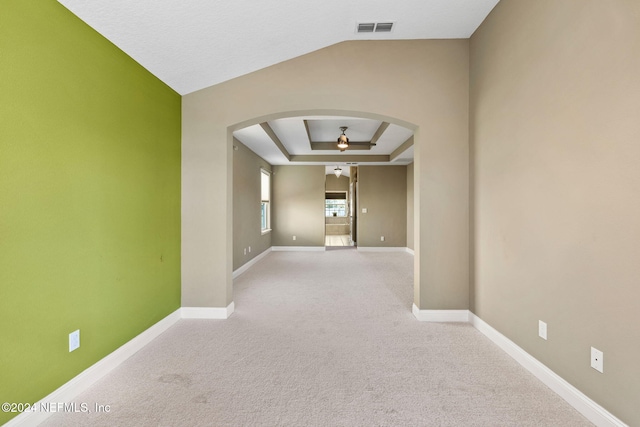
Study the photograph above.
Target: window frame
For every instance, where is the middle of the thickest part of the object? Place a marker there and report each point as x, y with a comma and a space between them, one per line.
346, 204
265, 202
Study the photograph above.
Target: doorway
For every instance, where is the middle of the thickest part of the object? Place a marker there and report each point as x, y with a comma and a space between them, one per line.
339, 208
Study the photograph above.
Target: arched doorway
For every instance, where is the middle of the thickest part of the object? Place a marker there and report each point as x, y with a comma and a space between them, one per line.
424, 83
315, 206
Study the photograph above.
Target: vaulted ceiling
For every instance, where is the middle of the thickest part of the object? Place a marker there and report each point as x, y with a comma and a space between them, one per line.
193, 44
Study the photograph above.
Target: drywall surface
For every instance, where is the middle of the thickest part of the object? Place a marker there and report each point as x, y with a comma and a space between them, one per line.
555, 102
90, 198
298, 206
383, 193
410, 206
247, 231
419, 84
334, 183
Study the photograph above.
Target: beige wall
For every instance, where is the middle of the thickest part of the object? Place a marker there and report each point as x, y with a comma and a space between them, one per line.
555, 131
206, 207
334, 183
410, 206
420, 84
247, 230
298, 206
383, 192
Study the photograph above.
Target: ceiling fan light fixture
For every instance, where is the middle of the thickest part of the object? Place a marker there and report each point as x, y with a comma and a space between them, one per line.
337, 171
343, 141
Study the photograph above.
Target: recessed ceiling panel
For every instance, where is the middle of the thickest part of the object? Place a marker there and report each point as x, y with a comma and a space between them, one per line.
404, 158
329, 129
292, 134
255, 138
393, 137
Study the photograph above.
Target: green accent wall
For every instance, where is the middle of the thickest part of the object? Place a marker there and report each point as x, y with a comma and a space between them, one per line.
89, 198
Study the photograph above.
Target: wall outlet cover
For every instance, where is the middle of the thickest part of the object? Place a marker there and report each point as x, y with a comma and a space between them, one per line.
542, 329
597, 360
74, 340
294, 237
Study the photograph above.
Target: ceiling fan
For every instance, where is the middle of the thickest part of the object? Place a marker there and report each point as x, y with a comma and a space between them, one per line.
343, 140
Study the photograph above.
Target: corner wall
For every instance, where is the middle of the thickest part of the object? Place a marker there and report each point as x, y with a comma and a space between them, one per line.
555, 107
298, 205
90, 198
410, 206
383, 192
333, 183
247, 231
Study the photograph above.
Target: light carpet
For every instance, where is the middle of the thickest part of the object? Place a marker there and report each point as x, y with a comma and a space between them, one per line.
322, 339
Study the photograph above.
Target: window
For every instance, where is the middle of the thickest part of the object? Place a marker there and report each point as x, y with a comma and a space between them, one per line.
265, 191
335, 204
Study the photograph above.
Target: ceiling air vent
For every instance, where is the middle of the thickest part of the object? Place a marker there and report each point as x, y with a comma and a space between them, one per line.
384, 27
366, 28
377, 27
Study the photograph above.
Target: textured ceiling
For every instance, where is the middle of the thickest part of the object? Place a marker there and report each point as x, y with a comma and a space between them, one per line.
193, 44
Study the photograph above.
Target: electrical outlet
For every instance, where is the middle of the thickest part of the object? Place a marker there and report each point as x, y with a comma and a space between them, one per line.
249, 249
294, 237
382, 238
364, 210
542, 329
597, 360
74, 340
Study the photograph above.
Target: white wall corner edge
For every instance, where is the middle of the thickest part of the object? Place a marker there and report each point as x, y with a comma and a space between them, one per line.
583, 404
85, 379
219, 313
440, 315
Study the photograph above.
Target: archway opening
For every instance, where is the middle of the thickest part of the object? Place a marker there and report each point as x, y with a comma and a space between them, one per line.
296, 149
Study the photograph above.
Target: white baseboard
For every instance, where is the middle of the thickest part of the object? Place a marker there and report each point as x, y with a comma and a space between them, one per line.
81, 382
583, 404
440, 315
70, 390
250, 263
409, 250
381, 249
297, 248
207, 312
